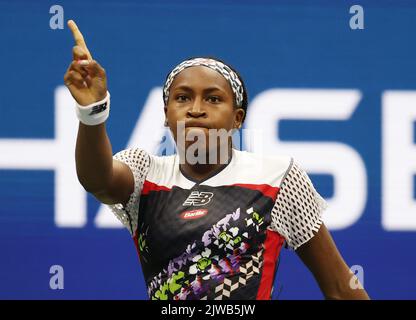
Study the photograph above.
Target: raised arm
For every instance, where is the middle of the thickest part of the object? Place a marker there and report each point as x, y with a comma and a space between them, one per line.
110, 181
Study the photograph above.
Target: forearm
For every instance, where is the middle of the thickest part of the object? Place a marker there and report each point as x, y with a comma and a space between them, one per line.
94, 159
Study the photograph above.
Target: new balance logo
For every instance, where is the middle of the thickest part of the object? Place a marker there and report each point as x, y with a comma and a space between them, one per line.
98, 109
197, 198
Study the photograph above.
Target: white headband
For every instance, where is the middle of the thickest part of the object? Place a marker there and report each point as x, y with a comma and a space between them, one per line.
218, 66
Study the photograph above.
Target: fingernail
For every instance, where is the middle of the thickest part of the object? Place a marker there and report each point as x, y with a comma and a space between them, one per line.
84, 62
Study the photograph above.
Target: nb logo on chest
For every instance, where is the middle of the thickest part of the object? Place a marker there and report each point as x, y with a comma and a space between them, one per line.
197, 198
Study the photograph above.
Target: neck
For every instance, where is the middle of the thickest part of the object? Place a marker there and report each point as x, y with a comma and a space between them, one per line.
200, 171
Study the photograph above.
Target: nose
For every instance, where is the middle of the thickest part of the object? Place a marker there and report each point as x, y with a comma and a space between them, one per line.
196, 111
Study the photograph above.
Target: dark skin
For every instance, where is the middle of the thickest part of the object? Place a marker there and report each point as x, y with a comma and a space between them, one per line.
202, 98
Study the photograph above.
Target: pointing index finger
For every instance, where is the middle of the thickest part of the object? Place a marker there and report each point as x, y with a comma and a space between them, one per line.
78, 37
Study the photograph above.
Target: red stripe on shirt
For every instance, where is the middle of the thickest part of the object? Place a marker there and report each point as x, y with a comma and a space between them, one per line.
150, 186
272, 247
265, 189
136, 241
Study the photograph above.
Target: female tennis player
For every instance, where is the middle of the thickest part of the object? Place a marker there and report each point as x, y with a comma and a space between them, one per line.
207, 224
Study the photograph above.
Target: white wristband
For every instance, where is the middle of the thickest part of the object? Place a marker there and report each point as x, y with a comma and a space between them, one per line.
95, 113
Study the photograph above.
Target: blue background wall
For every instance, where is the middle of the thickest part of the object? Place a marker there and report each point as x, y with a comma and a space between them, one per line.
290, 44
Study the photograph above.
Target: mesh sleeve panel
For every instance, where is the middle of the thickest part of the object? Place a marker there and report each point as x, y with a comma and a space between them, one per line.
297, 212
138, 161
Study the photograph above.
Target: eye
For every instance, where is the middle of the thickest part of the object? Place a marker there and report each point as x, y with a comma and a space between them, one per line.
181, 98
214, 99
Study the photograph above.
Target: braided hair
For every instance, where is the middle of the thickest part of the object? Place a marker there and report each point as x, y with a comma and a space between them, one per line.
244, 103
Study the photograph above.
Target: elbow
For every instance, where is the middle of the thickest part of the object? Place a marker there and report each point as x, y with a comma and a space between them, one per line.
346, 292
101, 191
93, 186
355, 295
94, 182
101, 194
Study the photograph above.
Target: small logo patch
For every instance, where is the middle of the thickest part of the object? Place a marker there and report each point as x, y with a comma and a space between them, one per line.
194, 214
197, 198
98, 109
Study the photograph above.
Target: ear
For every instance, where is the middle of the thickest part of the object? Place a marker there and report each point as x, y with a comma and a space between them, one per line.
238, 118
166, 116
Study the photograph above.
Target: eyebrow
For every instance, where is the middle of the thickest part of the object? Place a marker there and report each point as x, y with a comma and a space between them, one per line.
206, 90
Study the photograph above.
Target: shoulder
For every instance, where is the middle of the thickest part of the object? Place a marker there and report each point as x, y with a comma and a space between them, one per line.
138, 155
281, 159
132, 155
145, 165
264, 167
161, 170
297, 180
297, 213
